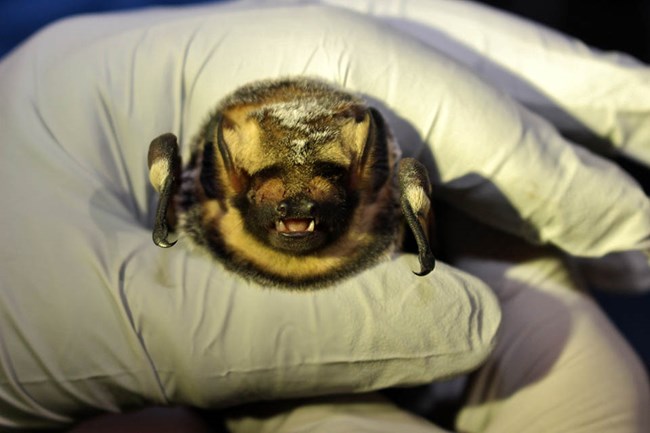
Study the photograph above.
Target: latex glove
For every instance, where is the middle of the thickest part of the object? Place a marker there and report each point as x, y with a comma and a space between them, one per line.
108, 321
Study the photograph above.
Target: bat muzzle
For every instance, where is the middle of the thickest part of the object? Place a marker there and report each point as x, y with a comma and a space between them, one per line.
297, 228
296, 225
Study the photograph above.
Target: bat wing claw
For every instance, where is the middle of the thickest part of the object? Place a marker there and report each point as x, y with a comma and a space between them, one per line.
427, 263
164, 165
160, 234
415, 190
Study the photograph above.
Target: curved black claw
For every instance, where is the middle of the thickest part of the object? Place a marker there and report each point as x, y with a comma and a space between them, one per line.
427, 263
160, 238
160, 229
415, 191
425, 255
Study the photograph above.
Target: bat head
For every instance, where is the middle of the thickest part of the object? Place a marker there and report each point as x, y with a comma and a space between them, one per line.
291, 182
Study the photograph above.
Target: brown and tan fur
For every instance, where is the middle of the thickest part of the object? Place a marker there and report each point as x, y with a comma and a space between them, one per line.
297, 151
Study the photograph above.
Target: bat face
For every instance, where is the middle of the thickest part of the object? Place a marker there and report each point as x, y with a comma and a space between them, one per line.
291, 182
298, 210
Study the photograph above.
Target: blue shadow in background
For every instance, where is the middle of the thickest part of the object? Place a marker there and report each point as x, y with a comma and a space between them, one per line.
21, 18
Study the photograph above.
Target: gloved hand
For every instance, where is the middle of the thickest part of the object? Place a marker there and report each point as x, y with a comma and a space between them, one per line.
105, 321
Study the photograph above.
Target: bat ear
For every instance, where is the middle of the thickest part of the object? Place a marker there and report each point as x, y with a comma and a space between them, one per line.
415, 200
215, 149
164, 171
373, 141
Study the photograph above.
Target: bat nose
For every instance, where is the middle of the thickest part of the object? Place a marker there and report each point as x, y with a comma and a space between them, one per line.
299, 207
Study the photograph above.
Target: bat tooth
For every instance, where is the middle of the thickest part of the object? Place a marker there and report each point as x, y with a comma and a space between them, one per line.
312, 226
280, 227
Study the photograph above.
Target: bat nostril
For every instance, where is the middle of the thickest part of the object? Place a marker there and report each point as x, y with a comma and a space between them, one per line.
311, 208
282, 208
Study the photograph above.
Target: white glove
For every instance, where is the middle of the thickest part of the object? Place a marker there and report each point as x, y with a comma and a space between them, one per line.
101, 319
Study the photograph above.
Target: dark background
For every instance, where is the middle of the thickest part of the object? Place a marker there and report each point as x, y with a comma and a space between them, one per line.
622, 25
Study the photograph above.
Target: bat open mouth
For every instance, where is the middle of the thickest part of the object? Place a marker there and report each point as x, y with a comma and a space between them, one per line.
295, 227
297, 235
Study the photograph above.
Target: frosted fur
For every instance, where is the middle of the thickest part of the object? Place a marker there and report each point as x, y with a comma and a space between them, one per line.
328, 95
299, 151
296, 114
301, 114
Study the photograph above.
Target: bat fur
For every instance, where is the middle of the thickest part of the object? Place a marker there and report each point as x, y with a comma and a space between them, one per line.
292, 182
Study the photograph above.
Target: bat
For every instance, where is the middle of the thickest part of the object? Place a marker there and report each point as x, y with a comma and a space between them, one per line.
292, 182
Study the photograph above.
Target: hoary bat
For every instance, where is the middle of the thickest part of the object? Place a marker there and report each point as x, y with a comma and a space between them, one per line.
292, 182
